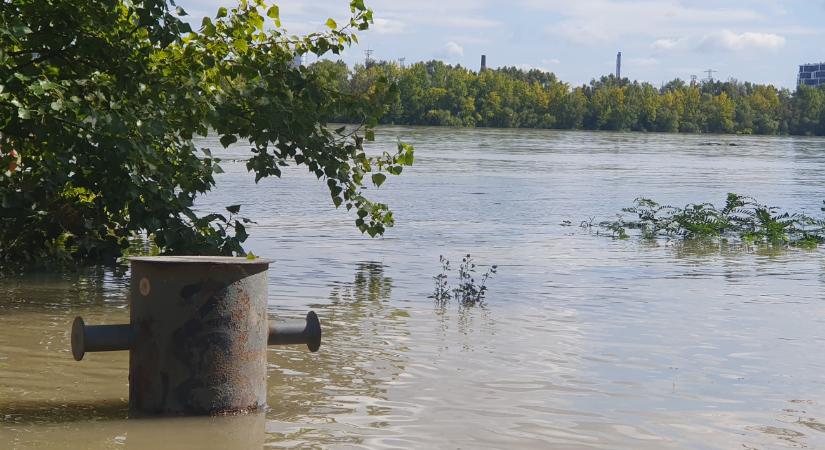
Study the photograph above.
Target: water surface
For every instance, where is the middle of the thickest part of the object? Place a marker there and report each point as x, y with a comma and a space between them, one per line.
585, 342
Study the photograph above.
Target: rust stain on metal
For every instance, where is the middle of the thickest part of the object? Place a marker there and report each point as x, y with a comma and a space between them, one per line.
200, 335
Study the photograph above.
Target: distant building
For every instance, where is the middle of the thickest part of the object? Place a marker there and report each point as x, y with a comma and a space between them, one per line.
812, 74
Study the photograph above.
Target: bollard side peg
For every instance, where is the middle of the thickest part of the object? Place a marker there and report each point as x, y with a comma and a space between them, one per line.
99, 338
308, 333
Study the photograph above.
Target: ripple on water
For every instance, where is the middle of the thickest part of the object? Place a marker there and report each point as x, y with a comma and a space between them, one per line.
585, 342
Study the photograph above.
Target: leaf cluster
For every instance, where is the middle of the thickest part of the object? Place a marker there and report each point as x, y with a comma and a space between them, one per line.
100, 102
741, 218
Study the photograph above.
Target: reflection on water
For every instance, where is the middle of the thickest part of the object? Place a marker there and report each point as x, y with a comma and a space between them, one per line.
792, 426
467, 321
45, 412
72, 427
343, 388
584, 342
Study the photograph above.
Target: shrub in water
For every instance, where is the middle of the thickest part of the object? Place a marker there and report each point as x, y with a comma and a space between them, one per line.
741, 218
469, 292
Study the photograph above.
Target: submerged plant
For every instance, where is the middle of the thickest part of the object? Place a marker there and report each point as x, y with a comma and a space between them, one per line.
442, 291
741, 218
469, 292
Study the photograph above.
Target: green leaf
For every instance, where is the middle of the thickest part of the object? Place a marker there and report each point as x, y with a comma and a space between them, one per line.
240, 232
228, 139
216, 168
369, 135
331, 24
207, 27
221, 13
20, 30
409, 157
233, 209
378, 179
241, 45
273, 12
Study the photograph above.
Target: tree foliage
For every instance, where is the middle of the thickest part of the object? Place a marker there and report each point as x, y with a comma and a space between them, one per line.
435, 93
100, 101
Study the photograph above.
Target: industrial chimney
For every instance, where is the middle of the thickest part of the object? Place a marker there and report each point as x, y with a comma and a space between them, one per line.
483, 63
619, 66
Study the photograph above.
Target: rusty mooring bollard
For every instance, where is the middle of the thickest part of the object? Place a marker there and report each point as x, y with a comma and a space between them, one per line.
197, 335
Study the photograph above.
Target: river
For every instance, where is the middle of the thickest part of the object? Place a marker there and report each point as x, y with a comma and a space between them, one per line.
584, 342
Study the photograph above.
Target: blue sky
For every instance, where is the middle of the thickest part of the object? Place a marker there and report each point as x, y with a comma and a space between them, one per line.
751, 40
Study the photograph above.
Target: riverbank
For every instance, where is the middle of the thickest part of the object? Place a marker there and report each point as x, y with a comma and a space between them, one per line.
435, 93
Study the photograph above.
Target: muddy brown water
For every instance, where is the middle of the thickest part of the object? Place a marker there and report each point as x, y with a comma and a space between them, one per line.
585, 342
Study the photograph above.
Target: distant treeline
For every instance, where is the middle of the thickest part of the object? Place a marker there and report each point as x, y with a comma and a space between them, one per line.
435, 93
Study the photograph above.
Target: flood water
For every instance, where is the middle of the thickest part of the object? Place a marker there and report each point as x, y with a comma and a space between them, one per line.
584, 342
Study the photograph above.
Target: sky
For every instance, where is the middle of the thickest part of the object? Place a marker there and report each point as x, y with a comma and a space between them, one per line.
762, 41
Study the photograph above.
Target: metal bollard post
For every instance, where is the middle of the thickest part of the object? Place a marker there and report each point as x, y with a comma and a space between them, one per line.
197, 335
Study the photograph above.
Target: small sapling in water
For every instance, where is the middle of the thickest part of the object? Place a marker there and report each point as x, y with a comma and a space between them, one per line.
469, 292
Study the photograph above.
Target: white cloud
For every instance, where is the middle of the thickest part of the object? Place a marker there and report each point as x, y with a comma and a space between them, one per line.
749, 41
469, 39
641, 62
388, 26
451, 50
721, 40
453, 14
599, 22
544, 67
664, 44
462, 22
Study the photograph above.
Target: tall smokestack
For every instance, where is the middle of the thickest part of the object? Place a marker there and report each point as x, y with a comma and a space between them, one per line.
483, 63
619, 66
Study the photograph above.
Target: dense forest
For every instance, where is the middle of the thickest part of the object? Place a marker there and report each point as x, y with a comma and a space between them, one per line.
435, 93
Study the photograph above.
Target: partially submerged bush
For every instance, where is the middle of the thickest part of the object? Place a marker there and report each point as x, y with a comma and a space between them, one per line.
468, 292
742, 218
